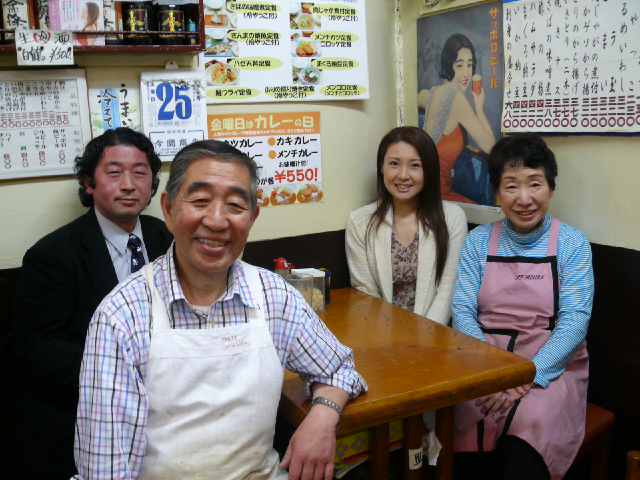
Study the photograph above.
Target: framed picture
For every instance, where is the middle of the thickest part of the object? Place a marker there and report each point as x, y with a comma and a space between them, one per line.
460, 85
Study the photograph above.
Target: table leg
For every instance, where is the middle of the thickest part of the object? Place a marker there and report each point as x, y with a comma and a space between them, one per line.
413, 432
444, 432
379, 452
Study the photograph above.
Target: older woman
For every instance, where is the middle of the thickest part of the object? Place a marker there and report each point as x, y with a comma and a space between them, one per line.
404, 246
525, 284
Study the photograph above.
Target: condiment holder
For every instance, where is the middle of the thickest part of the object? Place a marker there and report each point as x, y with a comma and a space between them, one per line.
310, 283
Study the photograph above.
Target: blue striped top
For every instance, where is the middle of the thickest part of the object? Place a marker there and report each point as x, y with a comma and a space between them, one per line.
575, 274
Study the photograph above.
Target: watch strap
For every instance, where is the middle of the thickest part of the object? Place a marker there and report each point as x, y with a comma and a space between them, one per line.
327, 403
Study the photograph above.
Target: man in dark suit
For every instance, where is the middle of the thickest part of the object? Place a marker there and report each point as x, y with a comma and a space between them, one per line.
64, 277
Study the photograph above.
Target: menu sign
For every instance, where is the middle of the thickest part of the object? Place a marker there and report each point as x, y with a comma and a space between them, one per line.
114, 106
285, 50
44, 122
43, 48
286, 148
571, 66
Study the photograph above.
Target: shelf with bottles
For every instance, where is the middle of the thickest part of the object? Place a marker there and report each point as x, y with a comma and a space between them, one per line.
158, 26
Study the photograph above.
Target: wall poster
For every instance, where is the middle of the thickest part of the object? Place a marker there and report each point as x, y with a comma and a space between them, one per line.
44, 122
174, 109
114, 104
572, 66
286, 148
285, 50
460, 84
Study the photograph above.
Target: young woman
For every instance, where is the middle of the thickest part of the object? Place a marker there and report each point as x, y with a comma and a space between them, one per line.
404, 246
525, 284
448, 113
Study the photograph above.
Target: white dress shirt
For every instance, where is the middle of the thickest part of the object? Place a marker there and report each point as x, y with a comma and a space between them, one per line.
116, 239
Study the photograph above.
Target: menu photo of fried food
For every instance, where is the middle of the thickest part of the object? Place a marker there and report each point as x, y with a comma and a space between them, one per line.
309, 193
218, 44
220, 19
282, 196
263, 201
306, 48
220, 73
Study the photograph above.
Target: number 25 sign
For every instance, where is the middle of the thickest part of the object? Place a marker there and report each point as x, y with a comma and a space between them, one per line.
174, 109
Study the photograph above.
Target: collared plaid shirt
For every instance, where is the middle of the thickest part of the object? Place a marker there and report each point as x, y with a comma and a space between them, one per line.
113, 405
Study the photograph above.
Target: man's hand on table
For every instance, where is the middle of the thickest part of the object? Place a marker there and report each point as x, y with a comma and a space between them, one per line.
312, 448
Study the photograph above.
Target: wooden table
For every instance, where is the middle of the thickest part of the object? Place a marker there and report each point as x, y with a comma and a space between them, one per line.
412, 365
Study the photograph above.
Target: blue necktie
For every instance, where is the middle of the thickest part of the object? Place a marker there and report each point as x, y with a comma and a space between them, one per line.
137, 258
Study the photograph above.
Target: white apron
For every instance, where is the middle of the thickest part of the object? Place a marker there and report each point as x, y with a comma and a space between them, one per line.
213, 397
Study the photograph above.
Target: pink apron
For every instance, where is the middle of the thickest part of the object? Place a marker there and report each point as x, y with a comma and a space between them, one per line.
517, 306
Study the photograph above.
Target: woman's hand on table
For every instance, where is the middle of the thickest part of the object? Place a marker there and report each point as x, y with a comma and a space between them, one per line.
312, 448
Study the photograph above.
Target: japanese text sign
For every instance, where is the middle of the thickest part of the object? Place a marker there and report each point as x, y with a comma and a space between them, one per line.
43, 47
286, 149
286, 50
44, 122
174, 109
571, 66
113, 105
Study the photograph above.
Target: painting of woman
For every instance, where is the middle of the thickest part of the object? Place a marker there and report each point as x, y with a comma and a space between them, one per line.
460, 109
90, 17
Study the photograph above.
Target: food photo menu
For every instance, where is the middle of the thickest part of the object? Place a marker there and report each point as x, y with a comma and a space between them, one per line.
286, 148
285, 50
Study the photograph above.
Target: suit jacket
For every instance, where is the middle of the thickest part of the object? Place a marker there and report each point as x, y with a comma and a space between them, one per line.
64, 277
370, 263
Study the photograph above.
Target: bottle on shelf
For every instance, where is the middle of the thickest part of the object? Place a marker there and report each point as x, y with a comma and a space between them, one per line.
170, 20
137, 18
192, 20
113, 21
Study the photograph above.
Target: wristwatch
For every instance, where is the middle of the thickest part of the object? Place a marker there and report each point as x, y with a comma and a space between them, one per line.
327, 403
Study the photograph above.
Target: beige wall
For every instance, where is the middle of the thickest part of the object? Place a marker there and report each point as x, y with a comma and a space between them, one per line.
598, 187
350, 134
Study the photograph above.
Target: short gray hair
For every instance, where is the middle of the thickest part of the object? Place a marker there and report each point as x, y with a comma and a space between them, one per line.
214, 150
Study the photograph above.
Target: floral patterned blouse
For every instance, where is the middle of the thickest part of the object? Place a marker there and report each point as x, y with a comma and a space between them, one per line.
404, 266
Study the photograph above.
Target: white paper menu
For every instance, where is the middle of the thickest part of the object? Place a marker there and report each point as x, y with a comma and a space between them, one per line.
44, 122
571, 66
285, 50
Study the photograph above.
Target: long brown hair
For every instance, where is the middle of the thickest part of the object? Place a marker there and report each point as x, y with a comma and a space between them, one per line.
429, 204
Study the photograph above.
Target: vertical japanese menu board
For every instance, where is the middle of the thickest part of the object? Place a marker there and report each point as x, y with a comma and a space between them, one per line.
174, 109
114, 105
286, 148
285, 50
571, 66
44, 122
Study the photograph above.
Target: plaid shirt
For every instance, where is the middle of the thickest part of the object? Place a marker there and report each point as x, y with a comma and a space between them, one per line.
113, 405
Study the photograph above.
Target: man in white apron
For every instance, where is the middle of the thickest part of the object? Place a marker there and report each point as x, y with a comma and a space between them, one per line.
183, 362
